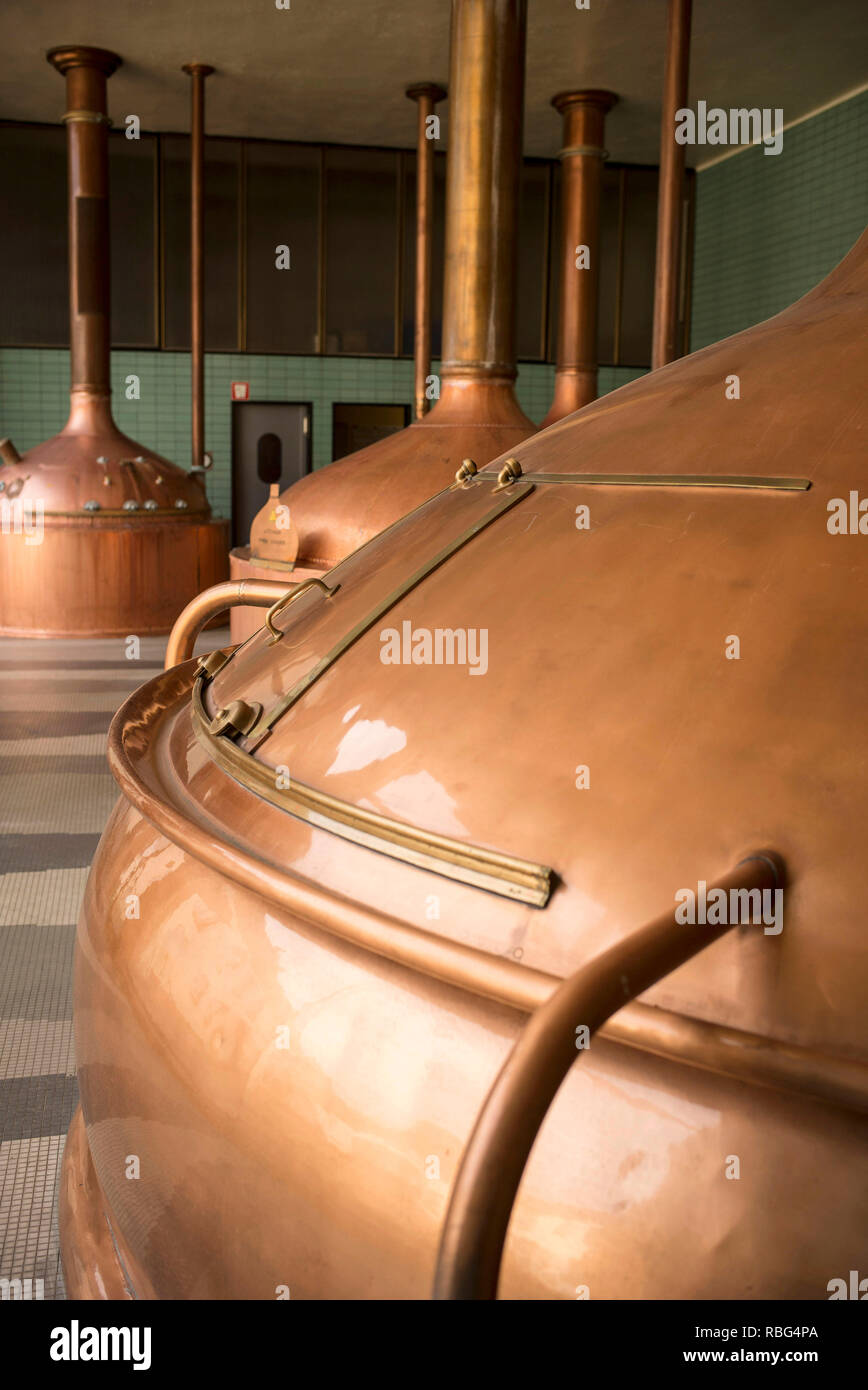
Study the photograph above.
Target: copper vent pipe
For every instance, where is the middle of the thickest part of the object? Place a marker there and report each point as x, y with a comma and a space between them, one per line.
198, 72
86, 71
582, 159
486, 95
426, 95
663, 343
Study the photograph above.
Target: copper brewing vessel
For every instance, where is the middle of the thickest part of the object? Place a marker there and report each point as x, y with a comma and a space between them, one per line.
339, 508
101, 536
336, 886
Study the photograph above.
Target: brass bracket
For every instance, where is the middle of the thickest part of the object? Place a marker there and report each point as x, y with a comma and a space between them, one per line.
237, 718
509, 474
286, 599
467, 471
212, 663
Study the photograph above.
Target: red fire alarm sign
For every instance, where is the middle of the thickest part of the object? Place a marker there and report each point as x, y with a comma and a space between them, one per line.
241, 390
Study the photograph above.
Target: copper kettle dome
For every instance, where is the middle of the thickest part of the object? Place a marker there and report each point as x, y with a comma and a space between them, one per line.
655, 620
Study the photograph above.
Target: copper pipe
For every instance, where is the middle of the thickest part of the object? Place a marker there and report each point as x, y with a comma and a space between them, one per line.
260, 593
582, 159
8, 452
198, 72
663, 343
86, 71
426, 95
486, 94
474, 1232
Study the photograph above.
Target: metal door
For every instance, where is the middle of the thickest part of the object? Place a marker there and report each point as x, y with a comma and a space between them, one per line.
270, 444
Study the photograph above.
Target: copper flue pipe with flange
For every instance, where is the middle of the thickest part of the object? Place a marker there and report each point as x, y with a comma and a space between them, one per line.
86, 71
486, 104
233, 593
664, 347
494, 1160
198, 72
426, 95
582, 159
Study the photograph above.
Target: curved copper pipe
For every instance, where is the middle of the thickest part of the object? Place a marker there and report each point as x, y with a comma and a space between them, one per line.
474, 1232
427, 94
260, 593
663, 346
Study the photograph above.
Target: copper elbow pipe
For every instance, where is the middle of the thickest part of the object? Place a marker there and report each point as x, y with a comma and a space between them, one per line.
474, 1232
8, 452
426, 94
582, 159
259, 593
663, 345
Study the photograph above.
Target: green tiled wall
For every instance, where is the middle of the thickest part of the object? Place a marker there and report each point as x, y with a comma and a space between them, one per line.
770, 227
34, 397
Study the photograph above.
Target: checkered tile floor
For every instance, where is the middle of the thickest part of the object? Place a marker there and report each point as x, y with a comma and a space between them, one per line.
56, 703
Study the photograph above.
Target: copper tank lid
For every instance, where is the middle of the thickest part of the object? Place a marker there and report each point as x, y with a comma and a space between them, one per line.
91, 473
660, 670
477, 415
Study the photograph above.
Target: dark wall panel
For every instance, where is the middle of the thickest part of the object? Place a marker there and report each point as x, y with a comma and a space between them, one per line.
283, 186
637, 275
361, 250
132, 214
532, 262
34, 288
221, 193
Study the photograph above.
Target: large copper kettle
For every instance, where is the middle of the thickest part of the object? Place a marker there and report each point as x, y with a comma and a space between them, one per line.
340, 878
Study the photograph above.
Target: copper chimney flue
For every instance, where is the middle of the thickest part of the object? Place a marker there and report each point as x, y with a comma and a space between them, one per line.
426, 95
582, 159
477, 416
198, 73
107, 538
663, 344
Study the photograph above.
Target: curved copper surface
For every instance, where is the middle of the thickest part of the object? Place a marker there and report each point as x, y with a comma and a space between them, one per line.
323, 1162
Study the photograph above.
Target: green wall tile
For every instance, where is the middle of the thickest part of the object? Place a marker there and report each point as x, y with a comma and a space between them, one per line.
770, 227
